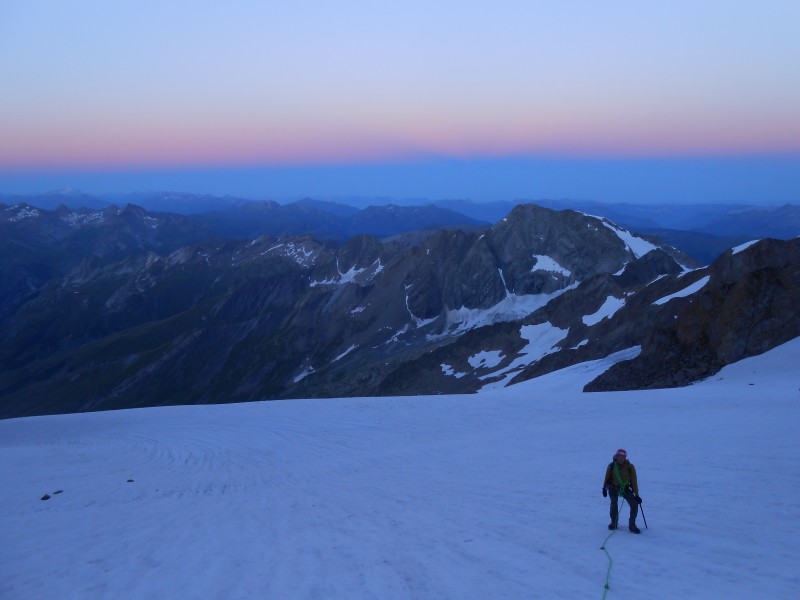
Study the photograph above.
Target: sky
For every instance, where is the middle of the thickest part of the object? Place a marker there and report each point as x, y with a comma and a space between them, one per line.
684, 100
494, 495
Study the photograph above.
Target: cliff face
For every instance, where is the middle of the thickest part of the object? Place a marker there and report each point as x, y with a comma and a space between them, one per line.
750, 304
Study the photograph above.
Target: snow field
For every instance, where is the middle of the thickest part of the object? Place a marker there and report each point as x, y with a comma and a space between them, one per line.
495, 495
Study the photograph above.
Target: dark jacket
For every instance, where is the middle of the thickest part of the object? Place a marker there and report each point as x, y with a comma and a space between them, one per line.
628, 473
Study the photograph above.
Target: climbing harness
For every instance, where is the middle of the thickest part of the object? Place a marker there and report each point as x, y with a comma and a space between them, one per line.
622, 484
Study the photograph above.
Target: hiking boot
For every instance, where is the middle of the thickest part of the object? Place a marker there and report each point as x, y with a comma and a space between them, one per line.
612, 525
634, 529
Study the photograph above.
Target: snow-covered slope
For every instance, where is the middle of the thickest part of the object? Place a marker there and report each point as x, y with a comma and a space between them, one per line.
488, 496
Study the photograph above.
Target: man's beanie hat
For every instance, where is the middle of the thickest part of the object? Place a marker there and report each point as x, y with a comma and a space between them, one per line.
621, 453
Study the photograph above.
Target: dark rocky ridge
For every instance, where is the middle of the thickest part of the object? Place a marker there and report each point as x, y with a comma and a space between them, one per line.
225, 321
750, 304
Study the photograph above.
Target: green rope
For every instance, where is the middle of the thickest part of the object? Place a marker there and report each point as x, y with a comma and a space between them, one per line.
610, 560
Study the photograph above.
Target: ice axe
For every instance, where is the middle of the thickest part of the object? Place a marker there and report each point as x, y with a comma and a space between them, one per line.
643, 517
639, 502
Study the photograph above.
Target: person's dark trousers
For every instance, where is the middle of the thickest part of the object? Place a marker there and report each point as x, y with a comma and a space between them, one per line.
613, 494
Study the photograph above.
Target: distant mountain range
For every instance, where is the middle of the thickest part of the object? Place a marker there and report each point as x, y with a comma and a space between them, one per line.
123, 307
702, 231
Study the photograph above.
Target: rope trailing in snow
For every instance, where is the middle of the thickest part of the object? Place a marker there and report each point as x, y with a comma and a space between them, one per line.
610, 563
610, 560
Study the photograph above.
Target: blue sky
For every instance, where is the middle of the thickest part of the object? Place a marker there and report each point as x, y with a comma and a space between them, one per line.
652, 101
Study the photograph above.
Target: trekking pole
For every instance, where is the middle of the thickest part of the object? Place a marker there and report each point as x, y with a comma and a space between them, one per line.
643, 517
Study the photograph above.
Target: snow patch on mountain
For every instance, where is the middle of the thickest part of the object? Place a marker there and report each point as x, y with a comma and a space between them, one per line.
503, 279
687, 291
78, 219
486, 359
346, 352
575, 377
398, 334
20, 212
451, 372
744, 246
306, 372
546, 263
607, 310
542, 340
296, 252
638, 246
511, 308
352, 275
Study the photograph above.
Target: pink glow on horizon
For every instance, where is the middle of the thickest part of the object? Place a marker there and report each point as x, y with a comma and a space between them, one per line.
122, 84
350, 129
377, 137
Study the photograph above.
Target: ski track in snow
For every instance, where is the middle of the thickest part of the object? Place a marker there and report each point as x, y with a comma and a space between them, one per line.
495, 495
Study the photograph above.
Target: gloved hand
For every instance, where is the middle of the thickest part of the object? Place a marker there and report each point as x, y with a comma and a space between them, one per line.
638, 499
605, 492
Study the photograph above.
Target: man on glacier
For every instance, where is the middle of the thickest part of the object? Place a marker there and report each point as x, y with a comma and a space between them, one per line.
621, 479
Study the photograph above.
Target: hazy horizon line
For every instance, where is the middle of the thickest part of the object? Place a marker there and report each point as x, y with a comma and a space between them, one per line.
753, 179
